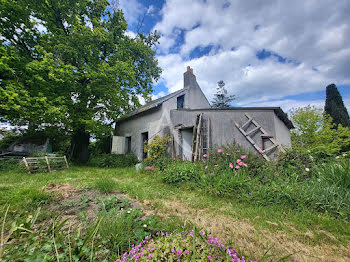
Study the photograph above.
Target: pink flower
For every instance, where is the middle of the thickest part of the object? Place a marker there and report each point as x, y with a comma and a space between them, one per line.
219, 150
237, 143
206, 167
237, 167
178, 253
228, 154
216, 165
231, 165
244, 164
209, 257
150, 255
149, 168
237, 151
250, 193
205, 155
214, 143
187, 252
260, 151
249, 178
243, 156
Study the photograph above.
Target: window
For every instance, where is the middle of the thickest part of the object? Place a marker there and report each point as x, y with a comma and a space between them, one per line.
180, 101
128, 144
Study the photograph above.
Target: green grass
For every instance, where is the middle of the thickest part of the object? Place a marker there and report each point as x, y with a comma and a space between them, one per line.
23, 192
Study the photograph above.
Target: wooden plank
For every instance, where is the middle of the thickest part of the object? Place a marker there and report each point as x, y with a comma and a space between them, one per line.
270, 148
26, 164
65, 160
198, 132
48, 164
253, 130
208, 143
250, 140
247, 123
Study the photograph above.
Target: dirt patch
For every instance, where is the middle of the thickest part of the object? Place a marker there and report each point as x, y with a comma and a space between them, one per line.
253, 241
81, 205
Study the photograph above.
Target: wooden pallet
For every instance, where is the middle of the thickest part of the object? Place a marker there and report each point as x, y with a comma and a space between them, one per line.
264, 135
45, 164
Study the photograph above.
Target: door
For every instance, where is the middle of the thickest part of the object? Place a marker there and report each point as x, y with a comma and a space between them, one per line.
186, 135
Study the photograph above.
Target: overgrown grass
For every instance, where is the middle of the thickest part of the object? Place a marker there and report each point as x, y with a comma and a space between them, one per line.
104, 185
24, 194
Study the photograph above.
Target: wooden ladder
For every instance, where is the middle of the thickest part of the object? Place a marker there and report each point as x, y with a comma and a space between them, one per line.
264, 135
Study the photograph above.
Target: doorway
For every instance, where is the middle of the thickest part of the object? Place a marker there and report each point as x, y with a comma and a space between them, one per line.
186, 136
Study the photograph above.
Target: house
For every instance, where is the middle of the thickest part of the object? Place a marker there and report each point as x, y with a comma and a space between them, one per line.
194, 127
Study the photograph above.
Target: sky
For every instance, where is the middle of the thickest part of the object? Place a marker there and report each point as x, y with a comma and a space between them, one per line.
268, 53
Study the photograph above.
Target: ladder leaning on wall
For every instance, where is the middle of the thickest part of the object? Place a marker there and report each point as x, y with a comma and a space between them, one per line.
264, 135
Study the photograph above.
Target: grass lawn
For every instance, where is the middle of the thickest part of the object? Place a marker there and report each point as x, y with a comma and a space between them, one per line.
260, 233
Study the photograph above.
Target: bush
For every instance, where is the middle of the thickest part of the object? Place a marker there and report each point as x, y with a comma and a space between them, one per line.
114, 161
156, 149
11, 164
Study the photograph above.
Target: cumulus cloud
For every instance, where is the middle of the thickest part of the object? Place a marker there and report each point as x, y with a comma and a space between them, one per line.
312, 39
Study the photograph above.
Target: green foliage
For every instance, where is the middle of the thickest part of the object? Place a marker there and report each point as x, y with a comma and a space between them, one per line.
104, 185
181, 171
11, 164
222, 99
112, 203
315, 132
335, 106
74, 68
114, 161
8, 139
156, 149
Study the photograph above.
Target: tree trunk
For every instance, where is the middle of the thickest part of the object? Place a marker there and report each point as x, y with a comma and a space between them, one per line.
80, 145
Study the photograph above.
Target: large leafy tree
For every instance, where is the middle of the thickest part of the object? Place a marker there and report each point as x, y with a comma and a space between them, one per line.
222, 99
314, 131
335, 106
69, 64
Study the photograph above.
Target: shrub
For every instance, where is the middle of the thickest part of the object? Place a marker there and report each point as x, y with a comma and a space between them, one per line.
111, 160
156, 149
11, 164
181, 246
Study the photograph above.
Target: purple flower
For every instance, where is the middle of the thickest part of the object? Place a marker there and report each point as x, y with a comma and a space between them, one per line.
219, 150
150, 255
250, 193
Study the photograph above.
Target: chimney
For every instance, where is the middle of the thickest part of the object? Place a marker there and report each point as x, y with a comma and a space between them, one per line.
189, 78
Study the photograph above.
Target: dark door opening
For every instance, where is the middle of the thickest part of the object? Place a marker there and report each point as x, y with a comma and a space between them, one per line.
144, 138
180, 101
128, 144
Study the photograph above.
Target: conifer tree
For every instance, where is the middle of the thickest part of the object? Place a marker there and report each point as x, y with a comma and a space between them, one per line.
335, 106
222, 99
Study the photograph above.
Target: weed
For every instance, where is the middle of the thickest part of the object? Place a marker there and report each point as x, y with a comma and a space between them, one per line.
104, 185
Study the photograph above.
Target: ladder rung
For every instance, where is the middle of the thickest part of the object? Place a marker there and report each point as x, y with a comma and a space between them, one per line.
253, 130
247, 123
270, 148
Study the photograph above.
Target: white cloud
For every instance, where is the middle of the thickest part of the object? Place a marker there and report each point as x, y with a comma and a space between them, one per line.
132, 10
313, 35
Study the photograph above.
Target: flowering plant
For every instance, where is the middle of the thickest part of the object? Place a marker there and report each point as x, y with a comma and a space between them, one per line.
181, 246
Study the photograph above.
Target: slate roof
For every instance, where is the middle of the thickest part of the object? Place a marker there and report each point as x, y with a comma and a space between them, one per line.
148, 106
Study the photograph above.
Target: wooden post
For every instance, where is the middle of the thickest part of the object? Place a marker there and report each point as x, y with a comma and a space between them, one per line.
172, 147
48, 164
65, 160
26, 164
198, 137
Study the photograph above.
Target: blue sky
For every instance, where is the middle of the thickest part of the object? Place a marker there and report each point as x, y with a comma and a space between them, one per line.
269, 53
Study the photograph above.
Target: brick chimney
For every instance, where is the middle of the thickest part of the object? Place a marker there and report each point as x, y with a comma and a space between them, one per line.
189, 78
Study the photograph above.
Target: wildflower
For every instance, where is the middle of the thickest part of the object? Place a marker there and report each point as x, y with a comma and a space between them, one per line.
337, 157
144, 225
150, 255
149, 168
228, 154
237, 166
219, 150
205, 155
178, 253
237, 143
237, 151
231, 165
206, 167
214, 143
187, 252
172, 250
209, 257
244, 164
216, 165
243, 156
260, 151
307, 169
250, 193
249, 178
345, 154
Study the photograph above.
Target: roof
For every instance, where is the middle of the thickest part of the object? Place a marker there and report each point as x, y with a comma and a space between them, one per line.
278, 111
148, 106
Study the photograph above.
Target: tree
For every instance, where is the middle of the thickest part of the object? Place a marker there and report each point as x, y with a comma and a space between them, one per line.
222, 100
69, 65
335, 106
314, 131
